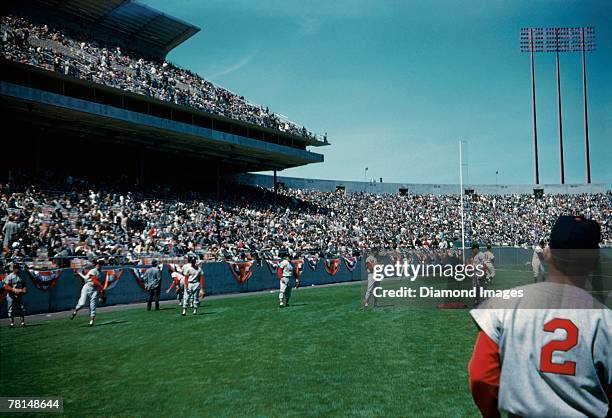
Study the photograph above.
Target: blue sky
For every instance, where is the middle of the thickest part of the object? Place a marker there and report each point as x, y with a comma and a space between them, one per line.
396, 84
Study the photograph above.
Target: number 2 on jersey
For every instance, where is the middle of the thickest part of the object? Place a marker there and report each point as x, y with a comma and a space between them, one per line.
546, 363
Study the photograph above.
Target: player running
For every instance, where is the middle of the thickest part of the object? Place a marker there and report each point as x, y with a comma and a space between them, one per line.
15, 287
194, 285
285, 268
92, 289
549, 353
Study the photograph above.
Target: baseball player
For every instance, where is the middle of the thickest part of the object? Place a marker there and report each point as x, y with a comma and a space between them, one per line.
15, 287
152, 282
92, 288
178, 283
537, 262
548, 353
194, 285
286, 279
371, 261
490, 263
479, 280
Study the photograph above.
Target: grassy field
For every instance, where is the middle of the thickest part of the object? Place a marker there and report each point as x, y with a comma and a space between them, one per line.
323, 356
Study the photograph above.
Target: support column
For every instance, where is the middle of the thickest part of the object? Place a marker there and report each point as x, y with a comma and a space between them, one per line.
218, 179
275, 183
562, 165
141, 167
586, 119
37, 151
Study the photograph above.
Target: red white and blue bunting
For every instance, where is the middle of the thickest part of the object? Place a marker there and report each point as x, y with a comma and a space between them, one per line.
44, 279
350, 263
241, 270
332, 266
273, 265
312, 262
298, 267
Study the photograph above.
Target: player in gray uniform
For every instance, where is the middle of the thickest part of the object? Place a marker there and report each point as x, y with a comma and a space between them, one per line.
548, 353
194, 285
490, 263
286, 279
15, 287
152, 282
371, 261
92, 288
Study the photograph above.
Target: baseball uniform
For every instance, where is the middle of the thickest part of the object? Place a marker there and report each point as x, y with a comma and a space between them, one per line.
490, 263
14, 300
537, 264
286, 283
546, 362
93, 283
194, 281
371, 261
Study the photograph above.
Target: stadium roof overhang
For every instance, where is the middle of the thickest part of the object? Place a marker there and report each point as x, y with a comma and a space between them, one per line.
28, 107
137, 25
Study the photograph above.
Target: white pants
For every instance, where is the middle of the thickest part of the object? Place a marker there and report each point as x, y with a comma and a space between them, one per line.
370, 289
88, 291
191, 294
286, 285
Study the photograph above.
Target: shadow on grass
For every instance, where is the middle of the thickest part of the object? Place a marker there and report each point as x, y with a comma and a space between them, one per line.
105, 323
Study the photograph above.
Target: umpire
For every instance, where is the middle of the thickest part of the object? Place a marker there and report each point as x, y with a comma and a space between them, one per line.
152, 282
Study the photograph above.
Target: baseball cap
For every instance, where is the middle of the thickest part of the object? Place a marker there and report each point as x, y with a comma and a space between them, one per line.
575, 232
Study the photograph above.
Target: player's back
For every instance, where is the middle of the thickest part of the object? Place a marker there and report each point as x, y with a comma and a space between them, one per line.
555, 349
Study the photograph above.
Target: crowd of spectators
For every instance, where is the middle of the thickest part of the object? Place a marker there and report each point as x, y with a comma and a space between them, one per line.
82, 219
73, 54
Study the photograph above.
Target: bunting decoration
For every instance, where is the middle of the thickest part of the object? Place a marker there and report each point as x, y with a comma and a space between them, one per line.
111, 278
350, 263
273, 265
44, 279
138, 272
298, 267
241, 270
332, 266
312, 262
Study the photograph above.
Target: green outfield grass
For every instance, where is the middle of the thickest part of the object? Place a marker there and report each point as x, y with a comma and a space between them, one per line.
323, 356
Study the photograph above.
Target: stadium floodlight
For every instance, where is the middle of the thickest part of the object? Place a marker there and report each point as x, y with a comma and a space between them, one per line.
554, 39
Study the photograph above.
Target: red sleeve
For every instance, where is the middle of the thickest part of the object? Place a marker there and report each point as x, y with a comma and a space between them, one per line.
174, 283
97, 283
201, 281
485, 368
279, 271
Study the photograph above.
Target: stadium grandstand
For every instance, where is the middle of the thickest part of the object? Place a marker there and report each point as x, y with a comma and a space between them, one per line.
85, 87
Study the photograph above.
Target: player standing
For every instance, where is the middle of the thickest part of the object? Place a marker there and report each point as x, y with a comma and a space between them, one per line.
479, 281
537, 262
549, 353
92, 288
371, 261
489, 263
152, 282
286, 275
194, 285
15, 287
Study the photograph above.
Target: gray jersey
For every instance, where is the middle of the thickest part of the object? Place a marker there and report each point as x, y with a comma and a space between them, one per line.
15, 281
152, 278
556, 362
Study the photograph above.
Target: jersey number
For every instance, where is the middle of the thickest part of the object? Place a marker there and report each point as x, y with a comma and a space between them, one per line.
546, 363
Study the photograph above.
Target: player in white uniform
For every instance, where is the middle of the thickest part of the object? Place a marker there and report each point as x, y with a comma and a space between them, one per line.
479, 280
371, 261
92, 288
194, 286
549, 353
537, 262
178, 283
286, 280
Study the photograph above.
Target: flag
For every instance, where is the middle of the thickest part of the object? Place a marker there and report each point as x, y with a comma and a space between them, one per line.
138, 272
111, 278
332, 266
241, 270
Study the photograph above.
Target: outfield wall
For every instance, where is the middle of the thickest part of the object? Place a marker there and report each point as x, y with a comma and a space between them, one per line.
218, 279
415, 189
